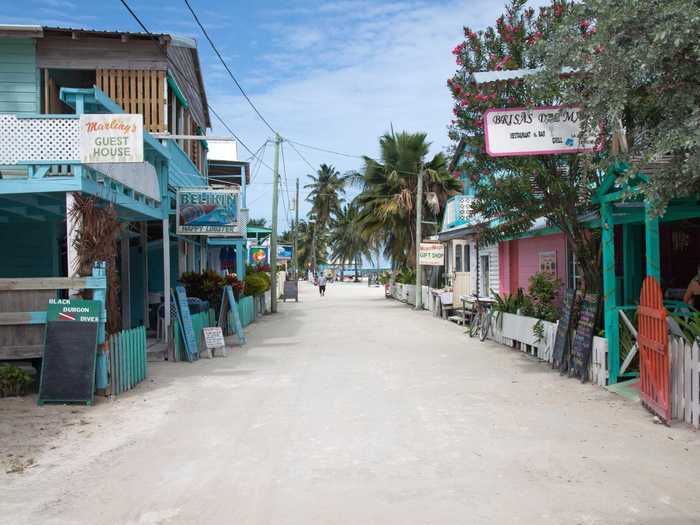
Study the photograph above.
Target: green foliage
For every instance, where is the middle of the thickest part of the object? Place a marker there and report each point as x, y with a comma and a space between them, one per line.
256, 283
690, 325
209, 285
511, 193
406, 276
507, 303
540, 301
385, 278
387, 209
642, 63
261, 222
13, 381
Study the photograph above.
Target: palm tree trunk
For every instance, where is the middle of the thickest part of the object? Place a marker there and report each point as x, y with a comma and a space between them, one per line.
313, 250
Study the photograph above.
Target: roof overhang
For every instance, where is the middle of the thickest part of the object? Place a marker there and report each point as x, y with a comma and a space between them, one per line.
21, 31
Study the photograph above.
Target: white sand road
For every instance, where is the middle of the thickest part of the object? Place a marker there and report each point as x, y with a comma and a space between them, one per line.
350, 409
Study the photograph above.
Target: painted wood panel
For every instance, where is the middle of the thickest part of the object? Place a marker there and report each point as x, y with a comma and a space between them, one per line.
62, 52
136, 91
19, 81
184, 72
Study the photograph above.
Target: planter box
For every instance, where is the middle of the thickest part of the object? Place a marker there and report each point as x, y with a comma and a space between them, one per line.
425, 297
410, 293
519, 329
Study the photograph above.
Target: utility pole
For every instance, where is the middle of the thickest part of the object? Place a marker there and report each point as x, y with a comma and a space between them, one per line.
419, 234
296, 234
273, 237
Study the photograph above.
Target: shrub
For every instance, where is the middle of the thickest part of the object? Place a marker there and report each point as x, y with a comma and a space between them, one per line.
209, 286
256, 283
406, 276
540, 301
13, 381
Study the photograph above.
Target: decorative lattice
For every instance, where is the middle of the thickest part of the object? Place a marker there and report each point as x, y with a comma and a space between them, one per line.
463, 211
38, 139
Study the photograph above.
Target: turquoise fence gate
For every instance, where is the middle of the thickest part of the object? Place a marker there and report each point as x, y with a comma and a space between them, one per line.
128, 359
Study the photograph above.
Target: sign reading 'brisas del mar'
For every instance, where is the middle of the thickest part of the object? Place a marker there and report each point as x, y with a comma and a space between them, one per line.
205, 211
539, 131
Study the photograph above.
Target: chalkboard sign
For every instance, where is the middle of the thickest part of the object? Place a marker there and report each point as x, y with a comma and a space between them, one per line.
583, 338
562, 341
68, 365
185, 321
291, 290
228, 302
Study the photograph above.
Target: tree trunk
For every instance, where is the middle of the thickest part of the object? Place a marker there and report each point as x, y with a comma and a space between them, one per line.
355, 262
313, 252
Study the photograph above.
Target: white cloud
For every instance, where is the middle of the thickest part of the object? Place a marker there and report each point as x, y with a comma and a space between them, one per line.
344, 85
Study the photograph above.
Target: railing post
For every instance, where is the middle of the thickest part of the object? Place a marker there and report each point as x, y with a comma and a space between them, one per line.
99, 269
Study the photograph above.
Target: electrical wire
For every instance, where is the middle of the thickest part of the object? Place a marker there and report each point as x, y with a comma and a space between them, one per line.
186, 79
228, 70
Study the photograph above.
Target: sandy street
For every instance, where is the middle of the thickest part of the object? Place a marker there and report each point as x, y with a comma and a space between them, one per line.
351, 409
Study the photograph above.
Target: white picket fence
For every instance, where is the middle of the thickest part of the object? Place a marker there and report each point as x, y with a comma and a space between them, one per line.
519, 328
684, 368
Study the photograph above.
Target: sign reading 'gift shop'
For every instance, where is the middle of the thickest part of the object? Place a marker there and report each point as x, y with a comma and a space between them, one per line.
107, 138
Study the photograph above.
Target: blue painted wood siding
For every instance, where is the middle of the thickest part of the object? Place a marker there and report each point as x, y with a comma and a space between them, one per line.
19, 76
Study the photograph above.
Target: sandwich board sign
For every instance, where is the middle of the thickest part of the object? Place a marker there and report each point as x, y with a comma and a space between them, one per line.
214, 340
110, 138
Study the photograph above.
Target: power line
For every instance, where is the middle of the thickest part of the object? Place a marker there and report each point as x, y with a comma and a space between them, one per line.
228, 70
186, 79
327, 150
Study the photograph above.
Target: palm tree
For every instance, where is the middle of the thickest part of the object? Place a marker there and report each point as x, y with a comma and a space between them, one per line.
387, 200
345, 239
257, 222
326, 195
306, 243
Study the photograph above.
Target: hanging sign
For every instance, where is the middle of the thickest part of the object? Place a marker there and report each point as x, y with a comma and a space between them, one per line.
258, 255
111, 137
204, 211
540, 131
431, 254
284, 251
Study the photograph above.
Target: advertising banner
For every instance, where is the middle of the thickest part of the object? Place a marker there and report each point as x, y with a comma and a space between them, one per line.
284, 251
539, 131
111, 137
431, 254
258, 255
204, 211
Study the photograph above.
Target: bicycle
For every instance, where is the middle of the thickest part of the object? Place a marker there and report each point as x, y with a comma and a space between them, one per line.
481, 318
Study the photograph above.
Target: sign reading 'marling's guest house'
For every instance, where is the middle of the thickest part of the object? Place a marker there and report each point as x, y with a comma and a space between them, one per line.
107, 138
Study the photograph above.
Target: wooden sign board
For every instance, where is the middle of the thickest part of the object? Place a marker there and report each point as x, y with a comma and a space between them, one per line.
583, 338
185, 321
291, 290
68, 365
85, 311
228, 303
562, 342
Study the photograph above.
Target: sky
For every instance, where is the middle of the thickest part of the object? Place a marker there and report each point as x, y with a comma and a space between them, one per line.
333, 74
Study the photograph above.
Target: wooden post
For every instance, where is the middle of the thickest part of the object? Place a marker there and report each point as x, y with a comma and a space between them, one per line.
419, 238
273, 236
99, 269
203, 254
144, 247
166, 278
651, 234
612, 320
125, 281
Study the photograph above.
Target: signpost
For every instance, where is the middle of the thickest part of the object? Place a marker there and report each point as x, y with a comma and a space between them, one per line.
539, 131
111, 138
205, 211
431, 254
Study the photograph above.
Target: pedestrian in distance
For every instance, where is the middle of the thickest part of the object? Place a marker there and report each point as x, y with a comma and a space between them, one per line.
322, 284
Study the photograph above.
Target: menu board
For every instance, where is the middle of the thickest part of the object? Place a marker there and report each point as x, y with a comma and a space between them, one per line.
291, 290
185, 322
563, 338
583, 338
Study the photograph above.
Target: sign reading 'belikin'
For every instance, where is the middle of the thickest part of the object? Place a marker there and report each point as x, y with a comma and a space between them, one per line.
540, 131
205, 211
111, 137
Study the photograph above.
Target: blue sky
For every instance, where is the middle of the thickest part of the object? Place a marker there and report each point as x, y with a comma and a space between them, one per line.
335, 74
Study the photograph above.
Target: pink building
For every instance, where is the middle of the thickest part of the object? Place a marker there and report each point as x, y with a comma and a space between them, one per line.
521, 258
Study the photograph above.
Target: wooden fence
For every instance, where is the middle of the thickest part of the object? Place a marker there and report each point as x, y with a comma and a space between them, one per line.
685, 380
127, 359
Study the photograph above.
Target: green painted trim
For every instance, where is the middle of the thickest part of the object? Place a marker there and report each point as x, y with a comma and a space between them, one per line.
611, 316
176, 91
553, 230
651, 235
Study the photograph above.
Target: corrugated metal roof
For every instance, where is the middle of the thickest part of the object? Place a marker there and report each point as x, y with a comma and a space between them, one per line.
105, 32
182, 173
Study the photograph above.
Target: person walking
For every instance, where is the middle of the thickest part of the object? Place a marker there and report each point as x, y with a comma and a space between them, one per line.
322, 284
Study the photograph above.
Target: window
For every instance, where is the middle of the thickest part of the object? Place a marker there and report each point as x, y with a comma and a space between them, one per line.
458, 258
467, 258
485, 270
